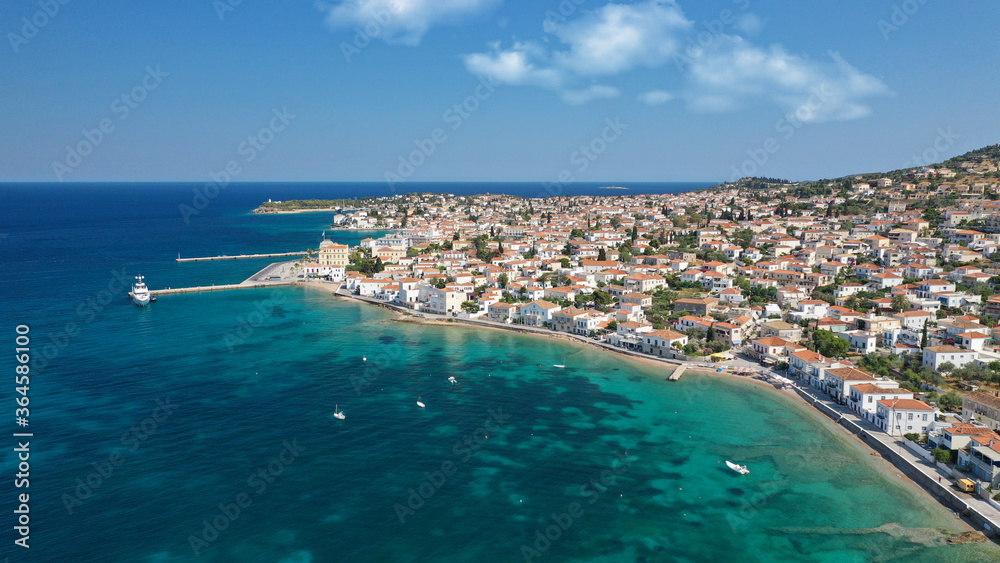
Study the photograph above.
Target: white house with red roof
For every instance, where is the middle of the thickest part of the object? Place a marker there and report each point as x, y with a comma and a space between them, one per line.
660, 342
732, 295
903, 416
806, 362
538, 313
972, 340
865, 396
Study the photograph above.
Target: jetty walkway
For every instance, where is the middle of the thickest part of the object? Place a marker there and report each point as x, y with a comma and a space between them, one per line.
240, 256
225, 287
272, 275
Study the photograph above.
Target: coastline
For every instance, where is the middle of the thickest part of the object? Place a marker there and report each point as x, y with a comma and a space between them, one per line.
295, 211
872, 458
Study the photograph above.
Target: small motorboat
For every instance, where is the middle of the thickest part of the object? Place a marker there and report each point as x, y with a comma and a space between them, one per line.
419, 403
337, 414
558, 365
364, 358
741, 469
452, 380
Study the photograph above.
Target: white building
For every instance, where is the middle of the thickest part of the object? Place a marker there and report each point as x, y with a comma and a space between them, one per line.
442, 301
934, 356
865, 396
539, 313
861, 341
903, 416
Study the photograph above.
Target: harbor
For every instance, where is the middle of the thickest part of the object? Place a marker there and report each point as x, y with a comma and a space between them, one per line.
272, 275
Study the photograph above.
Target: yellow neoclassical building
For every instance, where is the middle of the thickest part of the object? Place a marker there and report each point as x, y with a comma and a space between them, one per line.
333, 254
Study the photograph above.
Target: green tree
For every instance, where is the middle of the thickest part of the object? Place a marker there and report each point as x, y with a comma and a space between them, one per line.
950, 401
503, 279
602, 255
941, 455
900, 302
602, 298
923, 336
830, 345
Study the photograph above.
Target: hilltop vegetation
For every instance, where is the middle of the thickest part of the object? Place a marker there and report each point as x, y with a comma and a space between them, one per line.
302, 204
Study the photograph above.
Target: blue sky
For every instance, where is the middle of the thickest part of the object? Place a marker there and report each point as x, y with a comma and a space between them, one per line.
506, 90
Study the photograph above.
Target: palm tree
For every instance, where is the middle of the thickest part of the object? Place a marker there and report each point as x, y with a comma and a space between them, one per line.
900, 302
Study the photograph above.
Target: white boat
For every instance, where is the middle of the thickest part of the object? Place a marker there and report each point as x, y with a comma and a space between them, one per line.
140, 293
452, 380
337, 414
558, 365
741, 469
364, 358
420, 404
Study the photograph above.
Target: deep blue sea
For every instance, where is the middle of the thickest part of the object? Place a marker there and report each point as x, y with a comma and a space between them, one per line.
201, 428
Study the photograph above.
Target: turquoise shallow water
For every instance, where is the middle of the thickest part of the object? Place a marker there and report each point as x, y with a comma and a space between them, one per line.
809, 498
154, 424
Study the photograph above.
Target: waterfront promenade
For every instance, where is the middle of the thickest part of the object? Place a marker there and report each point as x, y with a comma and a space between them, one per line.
936, 481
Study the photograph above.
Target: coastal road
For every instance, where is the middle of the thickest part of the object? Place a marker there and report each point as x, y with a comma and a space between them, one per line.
931, 471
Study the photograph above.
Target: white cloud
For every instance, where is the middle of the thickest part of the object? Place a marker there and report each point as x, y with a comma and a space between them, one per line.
516, 67
402, 22
655, 97
725, 75
595, 92
735, 73
610, 40
617, 37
